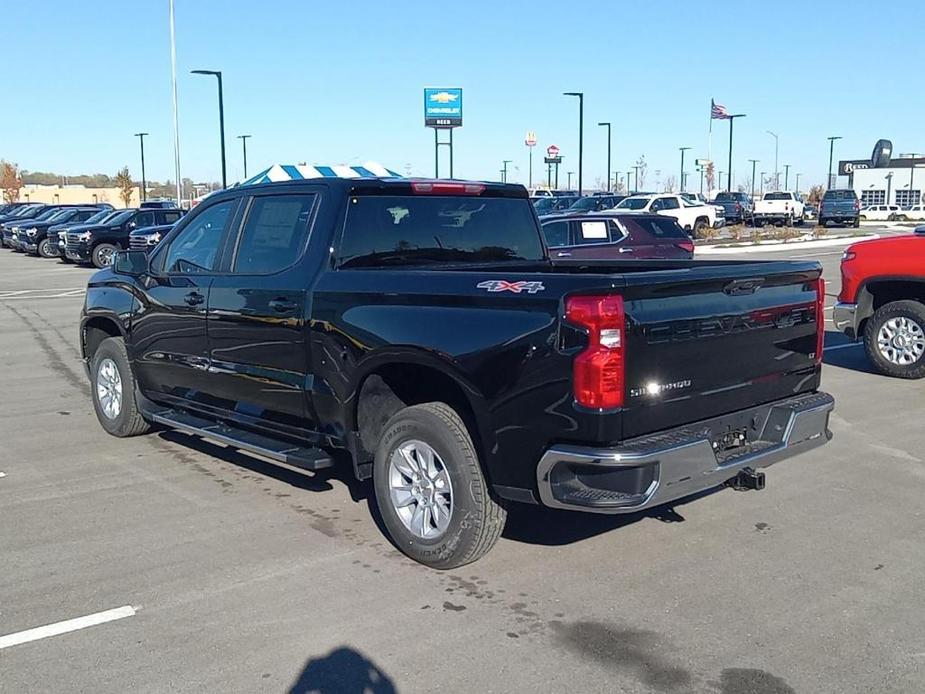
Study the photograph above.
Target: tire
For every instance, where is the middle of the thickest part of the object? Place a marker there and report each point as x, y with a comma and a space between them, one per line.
801, 220
909, 316
821, 222
475, 520
44, 249
699, 226
123, 420
102, 255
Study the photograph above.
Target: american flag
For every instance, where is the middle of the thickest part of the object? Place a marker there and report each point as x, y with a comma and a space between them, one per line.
718, 111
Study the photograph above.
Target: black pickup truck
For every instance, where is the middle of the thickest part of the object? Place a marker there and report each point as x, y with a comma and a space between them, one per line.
97, 244
419, 332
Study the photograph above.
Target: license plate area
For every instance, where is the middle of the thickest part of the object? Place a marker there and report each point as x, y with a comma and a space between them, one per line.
730, 441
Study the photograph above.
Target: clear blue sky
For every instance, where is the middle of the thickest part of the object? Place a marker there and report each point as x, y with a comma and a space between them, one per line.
342, 82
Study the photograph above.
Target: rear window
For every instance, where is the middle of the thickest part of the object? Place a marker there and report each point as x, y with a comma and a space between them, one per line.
840, 195
414, 230
778, 196
633, 204
659, 227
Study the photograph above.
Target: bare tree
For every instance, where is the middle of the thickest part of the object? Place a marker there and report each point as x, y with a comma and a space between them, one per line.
10, 181
641, 172
815, 194
710, 175
671, 184
126, 185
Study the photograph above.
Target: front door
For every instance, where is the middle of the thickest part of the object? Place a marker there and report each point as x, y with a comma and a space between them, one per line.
257, 314
171, 349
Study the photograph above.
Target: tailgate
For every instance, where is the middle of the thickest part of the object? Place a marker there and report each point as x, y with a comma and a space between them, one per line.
700, 346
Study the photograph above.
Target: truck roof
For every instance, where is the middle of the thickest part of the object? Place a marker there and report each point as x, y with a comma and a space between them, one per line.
396, 186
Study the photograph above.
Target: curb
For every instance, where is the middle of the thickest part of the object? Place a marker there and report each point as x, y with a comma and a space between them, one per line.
798, 245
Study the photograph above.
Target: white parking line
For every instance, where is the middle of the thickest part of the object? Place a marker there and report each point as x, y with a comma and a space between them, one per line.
91, 620
845, 346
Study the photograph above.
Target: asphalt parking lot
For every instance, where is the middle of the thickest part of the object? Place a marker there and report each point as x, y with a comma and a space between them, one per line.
231, 574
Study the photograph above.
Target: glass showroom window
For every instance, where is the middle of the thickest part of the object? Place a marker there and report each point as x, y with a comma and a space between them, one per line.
905, 198
873, 197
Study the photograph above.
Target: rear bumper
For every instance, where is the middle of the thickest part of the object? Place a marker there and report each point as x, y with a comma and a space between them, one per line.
669, 465
845, 317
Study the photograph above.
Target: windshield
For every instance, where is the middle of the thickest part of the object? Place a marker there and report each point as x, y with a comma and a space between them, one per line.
62, 215
633, 204
47, 214
544, 205
99, 216
26, 210
584, 204
412, 230
119, 217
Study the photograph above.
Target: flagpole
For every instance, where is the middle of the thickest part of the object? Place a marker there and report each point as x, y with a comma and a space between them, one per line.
176, 118
710, 136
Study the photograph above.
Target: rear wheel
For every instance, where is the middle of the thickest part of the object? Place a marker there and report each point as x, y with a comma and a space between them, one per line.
113, 386
102, 255
894, 339
699, 226
430, 488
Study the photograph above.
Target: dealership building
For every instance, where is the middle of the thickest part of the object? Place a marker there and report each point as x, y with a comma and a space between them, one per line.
900, 182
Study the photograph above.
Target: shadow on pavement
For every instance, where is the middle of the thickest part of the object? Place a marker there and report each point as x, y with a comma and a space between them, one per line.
840, 351
342, 671
320, 481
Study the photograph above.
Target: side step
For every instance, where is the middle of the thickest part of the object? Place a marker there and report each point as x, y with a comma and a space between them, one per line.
305, 458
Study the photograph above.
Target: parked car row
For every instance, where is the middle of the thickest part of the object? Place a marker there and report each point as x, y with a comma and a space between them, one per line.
892, 213
82, 233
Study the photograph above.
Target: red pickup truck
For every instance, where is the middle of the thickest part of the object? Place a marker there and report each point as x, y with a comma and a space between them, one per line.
882, 301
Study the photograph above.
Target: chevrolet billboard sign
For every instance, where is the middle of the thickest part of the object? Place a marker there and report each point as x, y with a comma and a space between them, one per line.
443, 107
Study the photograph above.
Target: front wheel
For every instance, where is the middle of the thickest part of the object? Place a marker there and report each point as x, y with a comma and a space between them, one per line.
699, 226
45, 249
102, 255
113, 386
894, 339
430, 489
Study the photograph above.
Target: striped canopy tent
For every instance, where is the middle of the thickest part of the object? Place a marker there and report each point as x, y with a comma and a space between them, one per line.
289, 172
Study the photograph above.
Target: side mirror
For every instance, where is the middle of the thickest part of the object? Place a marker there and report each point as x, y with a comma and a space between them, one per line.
131, 263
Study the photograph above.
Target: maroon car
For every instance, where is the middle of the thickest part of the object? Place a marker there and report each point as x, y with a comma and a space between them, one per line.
616, 236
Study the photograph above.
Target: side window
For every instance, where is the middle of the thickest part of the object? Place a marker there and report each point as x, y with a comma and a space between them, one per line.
556, 234
591, 232
144, 219
168, 217
274, 233
657, 205
194, 249
617, 233
670, 203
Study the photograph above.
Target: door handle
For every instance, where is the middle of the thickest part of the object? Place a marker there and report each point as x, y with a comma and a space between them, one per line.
627, 250
194, 298
563, 254
282, 305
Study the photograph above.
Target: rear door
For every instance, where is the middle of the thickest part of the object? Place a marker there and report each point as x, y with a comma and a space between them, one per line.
658, 237
699, 345
167, 216
257, 309
169, 339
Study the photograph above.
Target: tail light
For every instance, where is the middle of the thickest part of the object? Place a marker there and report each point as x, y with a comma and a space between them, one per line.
598, 372
686, 246
820, 318
441, 188
738, 207
857, 205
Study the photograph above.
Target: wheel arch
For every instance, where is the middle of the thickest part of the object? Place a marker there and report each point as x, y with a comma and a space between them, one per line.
879, 291
94, 329
390, 382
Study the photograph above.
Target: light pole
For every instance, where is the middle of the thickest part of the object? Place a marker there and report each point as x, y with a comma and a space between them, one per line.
221, 117
719, 180
144, 182
570, 179
504, 163
616, 180
787, 177
889, 187
628, 174
763, 174
798, 181
731, 120
607, 125
830, 182
776, 174
243, 139
683, 150
912, 155
176, 117
753, 161
581, 134
636, 168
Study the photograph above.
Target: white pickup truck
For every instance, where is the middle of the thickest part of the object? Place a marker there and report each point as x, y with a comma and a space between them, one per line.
691, 216
779, 208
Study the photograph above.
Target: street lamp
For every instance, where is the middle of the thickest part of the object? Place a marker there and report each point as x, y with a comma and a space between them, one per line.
798, 182
144, 182
581, 133
221, 117
889, 187
243, 139
786, 176
731, 120
636, 168
776, 174
607, 125
763, 174
504, 163
683, 150
628, 174
831, 183
570, 179
753, 161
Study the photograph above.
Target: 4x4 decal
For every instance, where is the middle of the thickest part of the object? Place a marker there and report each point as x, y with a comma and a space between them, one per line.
515, 287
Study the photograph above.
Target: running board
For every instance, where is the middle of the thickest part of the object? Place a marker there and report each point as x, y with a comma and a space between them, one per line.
281, 451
